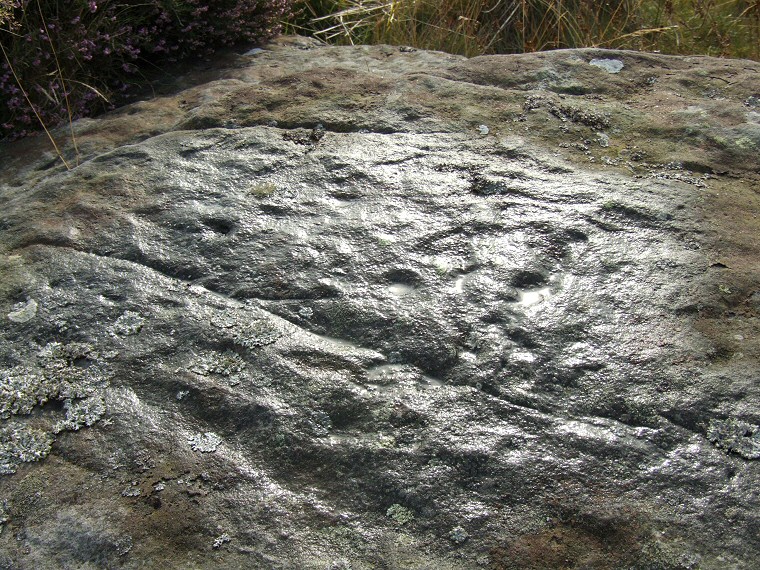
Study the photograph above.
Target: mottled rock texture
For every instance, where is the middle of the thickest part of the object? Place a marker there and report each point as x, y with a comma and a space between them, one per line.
371, 307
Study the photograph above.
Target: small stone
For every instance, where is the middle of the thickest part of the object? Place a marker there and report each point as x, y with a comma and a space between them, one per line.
608, 65
23, 312
131, 492
223, 538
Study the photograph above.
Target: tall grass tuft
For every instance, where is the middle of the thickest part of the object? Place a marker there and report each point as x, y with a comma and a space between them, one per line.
474, 27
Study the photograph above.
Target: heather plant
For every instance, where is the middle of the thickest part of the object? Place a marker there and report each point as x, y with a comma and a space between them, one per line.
67, 59
6, 11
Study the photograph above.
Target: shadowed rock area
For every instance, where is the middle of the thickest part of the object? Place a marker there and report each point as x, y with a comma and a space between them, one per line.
372, 307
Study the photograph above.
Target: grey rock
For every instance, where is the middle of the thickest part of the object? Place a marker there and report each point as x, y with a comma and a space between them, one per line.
23, 312
608, 65
300, 311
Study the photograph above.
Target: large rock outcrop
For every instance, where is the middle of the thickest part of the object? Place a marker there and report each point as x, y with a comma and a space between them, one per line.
372, 307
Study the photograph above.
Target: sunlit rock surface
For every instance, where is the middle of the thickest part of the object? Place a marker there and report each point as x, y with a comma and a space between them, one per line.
372, 307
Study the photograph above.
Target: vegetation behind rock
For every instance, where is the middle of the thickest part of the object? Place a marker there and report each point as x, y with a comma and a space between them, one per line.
474, 27
65, 60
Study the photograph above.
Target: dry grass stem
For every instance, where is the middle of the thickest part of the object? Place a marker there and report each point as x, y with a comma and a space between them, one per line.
63, 87
34, 109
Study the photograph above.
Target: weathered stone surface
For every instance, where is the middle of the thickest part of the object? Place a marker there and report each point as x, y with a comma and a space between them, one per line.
371, 307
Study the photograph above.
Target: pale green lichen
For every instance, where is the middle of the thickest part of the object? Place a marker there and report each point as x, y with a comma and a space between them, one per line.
204, 442
81, 413
22, 388
3, 514
61, 372
256, 334
130, 323
400, 515
745, 143
458, 535
735, 436
228, 363
68, 372
72, 369
19, 444
262, 189
68, 353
